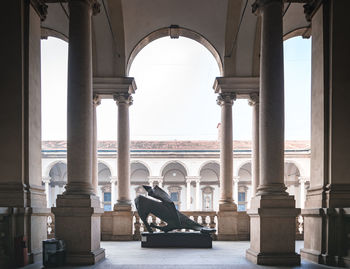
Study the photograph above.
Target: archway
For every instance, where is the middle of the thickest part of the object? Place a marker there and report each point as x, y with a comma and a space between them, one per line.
104, 186
174, 178
210, 176
58, 179
139, 174
243, 190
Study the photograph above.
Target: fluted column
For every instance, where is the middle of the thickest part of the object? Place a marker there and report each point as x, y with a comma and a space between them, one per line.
95, 102
225, 100
123, 100
46, 181
254, 103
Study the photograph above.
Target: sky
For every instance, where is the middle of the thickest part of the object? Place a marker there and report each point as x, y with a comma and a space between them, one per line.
174, 97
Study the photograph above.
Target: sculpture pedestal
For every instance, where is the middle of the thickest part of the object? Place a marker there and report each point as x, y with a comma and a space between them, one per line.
176, 240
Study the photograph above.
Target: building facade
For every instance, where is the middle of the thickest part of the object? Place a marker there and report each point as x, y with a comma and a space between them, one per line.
188, 170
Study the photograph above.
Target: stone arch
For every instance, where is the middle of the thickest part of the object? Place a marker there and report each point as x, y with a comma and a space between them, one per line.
48, 32
243, 175
297, 165
174, 31
139, 172
113, 172
236, 172
51, 165
104, 172
170, 162
178, 169
146, 165
208, 170
297, 32
291, 169
205, 163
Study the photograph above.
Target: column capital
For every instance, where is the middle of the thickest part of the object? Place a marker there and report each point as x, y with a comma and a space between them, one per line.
253, 99
113, 179
261, 3
310, 8
96, 100
46, 179
123, 98
196, 179
303, 179
226, 98
40, 8
236, 179
94, 5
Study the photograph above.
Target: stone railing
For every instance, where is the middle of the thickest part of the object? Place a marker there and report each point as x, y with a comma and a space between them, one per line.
299, 228
50, 226
205, 218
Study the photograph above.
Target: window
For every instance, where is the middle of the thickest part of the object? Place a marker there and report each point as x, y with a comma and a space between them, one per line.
107, 198
174, 193
242, 204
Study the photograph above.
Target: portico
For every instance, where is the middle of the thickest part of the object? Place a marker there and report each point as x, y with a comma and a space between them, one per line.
104, 38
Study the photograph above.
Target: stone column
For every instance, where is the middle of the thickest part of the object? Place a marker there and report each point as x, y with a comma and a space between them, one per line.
46, 181
95, 102
254, 103
272, 203
83, 236
123, 100
122, 215
302, 181
235, 188
188, 194
113, 194
225, 100
198, 193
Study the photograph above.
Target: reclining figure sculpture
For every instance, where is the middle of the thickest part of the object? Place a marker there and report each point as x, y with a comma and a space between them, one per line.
165, 210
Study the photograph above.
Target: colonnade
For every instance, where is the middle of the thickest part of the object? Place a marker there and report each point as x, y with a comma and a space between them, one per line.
81, 153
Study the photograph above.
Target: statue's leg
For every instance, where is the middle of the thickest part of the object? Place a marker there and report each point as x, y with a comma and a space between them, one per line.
165, 229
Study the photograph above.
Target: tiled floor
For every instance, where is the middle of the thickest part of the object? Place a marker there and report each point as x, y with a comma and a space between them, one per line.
223, 255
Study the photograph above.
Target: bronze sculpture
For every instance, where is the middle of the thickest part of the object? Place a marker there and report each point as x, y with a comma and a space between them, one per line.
165, 210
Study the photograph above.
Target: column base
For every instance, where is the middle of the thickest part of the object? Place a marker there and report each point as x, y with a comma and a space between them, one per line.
228, 222
273, 259
77, 222
272, 222
325, 236
85, 257
122, 223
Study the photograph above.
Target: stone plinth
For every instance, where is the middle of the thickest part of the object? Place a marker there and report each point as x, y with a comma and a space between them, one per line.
176, 240
77, 222
122, 223
272, 222
227, 222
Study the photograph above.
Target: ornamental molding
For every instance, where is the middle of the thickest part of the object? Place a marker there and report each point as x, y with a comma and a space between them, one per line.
40, 8
253, 99
107, 87
226, 98
242, 87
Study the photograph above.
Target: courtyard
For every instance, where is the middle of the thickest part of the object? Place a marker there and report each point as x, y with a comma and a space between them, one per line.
223, 255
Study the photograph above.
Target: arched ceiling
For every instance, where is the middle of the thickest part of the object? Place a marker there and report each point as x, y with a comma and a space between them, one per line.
123, 24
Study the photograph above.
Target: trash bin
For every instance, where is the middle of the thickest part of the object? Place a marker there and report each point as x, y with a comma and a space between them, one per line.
54, 253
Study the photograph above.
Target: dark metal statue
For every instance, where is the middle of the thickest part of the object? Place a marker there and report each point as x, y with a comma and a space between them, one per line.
164, 209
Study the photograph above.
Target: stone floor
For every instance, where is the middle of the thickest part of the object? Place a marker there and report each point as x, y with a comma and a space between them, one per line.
223, 255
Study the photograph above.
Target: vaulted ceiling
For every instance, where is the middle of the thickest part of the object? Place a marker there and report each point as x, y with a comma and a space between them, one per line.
228, 28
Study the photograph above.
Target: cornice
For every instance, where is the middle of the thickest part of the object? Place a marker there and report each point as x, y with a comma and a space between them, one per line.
242, 87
